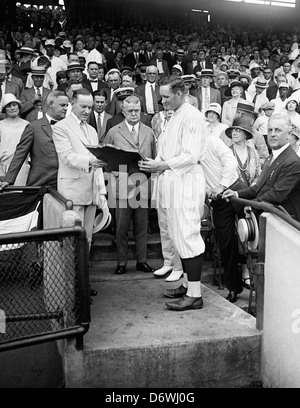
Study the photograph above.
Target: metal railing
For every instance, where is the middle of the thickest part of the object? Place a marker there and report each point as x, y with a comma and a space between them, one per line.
44, 288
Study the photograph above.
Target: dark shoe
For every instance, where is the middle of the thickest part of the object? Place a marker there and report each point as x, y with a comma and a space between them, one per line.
232, 295
144, 267
93, 292
120, 270
175, 293
186, 303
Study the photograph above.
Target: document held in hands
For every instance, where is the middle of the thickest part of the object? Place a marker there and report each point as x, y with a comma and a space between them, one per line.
115, 157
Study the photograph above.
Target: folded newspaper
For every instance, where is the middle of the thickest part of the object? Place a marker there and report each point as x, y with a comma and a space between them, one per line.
115, 158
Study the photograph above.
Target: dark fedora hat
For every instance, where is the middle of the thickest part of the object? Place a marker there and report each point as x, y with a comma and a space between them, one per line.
246, 107
244, 124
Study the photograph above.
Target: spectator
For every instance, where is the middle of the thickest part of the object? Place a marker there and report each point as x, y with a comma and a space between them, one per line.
11, 129
213, 116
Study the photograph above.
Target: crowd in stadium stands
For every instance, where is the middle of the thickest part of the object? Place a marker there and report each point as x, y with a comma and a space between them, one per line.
237, 80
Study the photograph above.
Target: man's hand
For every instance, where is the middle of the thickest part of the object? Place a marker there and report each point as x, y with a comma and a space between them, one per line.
153, 166
3, 184
229, 193
95, 163
214, 193
101, 201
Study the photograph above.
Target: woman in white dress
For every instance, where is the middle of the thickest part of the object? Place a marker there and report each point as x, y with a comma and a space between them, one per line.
11, 129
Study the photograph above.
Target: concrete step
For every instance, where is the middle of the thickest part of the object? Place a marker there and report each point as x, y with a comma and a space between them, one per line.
103, 247
134, 341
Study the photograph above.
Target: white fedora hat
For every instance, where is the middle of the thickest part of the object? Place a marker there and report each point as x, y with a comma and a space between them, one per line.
102, 220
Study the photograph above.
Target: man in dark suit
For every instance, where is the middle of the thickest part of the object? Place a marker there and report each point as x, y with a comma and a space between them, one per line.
273, 91
206, 94
279, 181
193, 62
150, 91
98, 117
121, 94
135, 57
93, 82
36, 141
181, 59
34, 99
202, 62
160, 63
131, 134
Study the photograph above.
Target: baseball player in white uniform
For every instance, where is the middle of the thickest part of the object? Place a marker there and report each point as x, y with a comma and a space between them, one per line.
181, 188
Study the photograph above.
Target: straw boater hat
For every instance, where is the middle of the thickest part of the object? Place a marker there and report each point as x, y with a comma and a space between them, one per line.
39, 70
74, 65
102, 220
206, 72
261, 83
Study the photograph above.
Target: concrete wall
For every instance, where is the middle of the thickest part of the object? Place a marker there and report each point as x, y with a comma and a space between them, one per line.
280, 358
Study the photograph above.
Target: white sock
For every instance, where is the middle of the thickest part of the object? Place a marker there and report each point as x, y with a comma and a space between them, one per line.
194, 289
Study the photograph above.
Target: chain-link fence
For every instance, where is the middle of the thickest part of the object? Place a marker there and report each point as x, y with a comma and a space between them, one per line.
43, 284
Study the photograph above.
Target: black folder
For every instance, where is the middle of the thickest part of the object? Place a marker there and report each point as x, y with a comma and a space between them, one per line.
115, 158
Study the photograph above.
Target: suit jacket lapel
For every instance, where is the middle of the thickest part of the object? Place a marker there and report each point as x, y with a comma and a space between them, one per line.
75, 128
126, 134
267, 170
46, 127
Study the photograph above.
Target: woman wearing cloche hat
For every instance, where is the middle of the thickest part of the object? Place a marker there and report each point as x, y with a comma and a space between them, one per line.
11, 129
213, 116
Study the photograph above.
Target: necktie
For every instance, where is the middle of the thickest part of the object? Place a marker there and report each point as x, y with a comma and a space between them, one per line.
202, 65
38, 92
270, 159
154, 97
136, 57
206, 99
134, 136
52, 122
99, 126
82, 125
254, 99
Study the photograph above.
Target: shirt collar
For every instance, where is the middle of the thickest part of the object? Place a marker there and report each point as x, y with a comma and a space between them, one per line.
77, 120
277, 152
136, 126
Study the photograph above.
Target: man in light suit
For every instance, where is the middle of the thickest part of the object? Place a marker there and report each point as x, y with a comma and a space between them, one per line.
37, 141
33, 100
132, 201
98, 114
213, 95
80, 176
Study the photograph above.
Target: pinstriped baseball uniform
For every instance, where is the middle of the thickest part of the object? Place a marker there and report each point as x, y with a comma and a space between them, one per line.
181, 189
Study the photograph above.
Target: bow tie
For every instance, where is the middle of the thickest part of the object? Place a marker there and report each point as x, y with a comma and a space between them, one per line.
52, 122
159, 60
93, 80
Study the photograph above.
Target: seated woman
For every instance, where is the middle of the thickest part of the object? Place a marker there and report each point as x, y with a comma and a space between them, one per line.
249, 166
